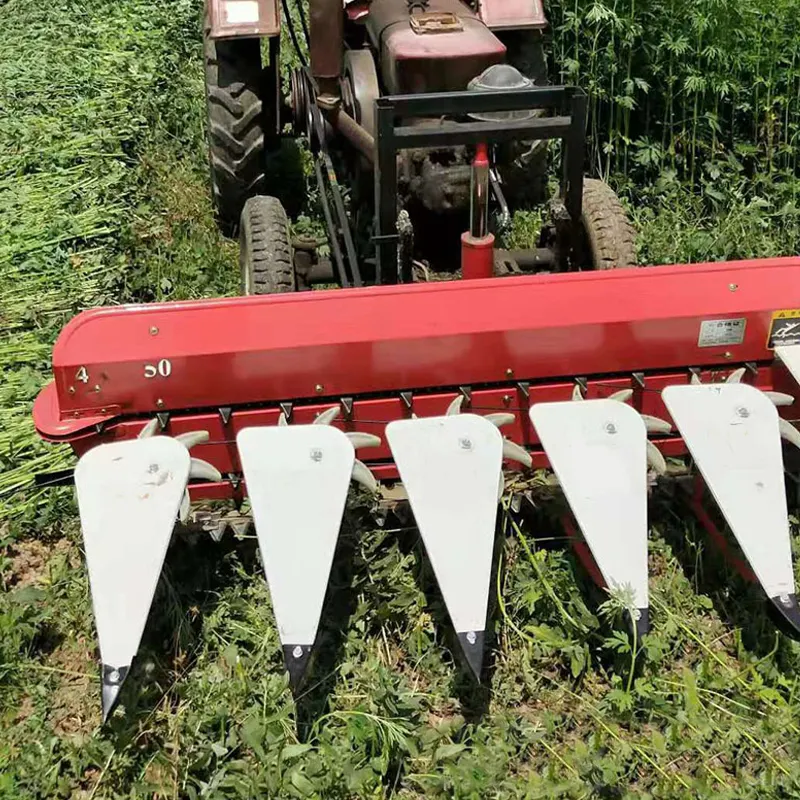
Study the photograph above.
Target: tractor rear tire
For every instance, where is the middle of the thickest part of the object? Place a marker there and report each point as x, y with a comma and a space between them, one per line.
609, 238
265, 248
235, 124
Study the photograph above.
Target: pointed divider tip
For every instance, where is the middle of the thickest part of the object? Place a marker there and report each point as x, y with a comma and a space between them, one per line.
112, 678
472, 643
786, 614
296, 657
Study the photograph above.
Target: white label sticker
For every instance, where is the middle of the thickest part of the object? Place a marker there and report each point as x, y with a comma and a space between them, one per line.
239, 12
720, 332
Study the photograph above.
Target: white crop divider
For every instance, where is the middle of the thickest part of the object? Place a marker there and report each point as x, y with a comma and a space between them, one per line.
733, 433
297, 478
129, 494
451, 467
598, 451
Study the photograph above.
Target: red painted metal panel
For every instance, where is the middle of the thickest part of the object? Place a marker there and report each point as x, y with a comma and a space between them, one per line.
259, 350
372, 415
456, 47
370, 344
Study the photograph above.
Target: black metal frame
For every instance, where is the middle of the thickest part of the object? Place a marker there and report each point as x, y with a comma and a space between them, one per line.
569, 105
337, 223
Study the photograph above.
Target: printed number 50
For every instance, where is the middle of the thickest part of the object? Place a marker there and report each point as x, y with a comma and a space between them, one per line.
162, 369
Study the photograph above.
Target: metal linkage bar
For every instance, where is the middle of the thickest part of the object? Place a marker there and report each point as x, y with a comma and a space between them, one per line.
330, 225
452, 133
336, 219
572, 158
436, 104
385, 195
568, 124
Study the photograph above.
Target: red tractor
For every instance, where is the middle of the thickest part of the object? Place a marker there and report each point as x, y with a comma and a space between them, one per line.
397, 100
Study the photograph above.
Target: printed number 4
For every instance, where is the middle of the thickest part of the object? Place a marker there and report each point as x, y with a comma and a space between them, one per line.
163, 369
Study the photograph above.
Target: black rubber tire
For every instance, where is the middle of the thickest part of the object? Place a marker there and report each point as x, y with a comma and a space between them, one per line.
609, 237
235, 125
266, 259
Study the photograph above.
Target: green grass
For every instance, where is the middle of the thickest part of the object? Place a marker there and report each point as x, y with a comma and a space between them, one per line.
97, 202
694, 115
103, 198
684, 83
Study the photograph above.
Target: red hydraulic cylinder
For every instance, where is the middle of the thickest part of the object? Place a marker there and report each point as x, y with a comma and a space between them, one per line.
477, 244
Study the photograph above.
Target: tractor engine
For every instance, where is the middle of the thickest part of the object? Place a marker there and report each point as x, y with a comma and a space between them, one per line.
433, 46
410, 47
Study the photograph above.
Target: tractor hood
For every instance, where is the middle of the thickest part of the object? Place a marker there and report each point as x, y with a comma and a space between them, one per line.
436, 50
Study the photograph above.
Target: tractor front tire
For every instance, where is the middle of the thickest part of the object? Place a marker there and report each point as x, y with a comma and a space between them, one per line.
235, 124
609, 240
265, 248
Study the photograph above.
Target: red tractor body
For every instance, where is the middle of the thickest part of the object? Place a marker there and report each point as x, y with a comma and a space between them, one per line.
442, 51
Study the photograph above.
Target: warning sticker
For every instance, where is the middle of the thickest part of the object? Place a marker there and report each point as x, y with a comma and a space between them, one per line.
785, 328
720, 332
